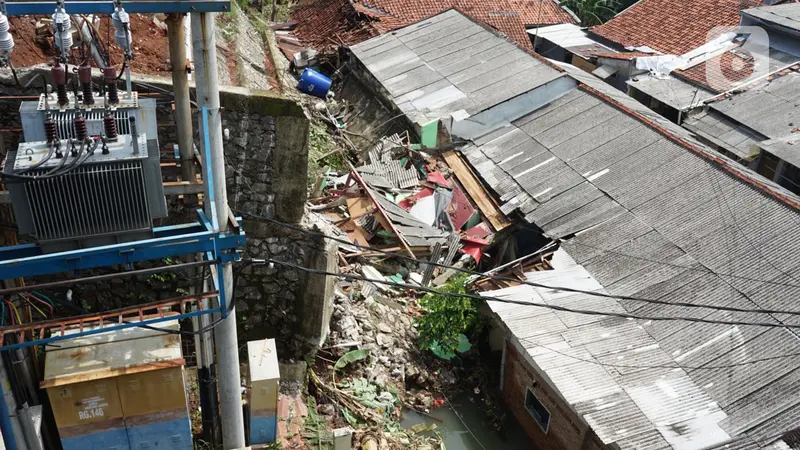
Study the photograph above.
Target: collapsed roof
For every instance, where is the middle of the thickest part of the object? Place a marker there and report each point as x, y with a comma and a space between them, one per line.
643, 209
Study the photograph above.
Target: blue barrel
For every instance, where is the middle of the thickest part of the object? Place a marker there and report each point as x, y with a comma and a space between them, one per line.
314, 83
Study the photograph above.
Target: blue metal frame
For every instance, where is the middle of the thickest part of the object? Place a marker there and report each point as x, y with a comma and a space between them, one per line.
106, 329
28, 260
100, 7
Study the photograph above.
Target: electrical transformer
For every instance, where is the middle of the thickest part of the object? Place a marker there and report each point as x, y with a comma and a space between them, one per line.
87, 173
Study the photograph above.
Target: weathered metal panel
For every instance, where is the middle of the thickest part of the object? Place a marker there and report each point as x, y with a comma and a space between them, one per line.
110, 439
263, 429
109, 354
149, 393
89, 415
156, 410
161, 431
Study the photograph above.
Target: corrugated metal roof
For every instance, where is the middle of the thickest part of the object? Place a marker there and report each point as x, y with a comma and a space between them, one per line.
656, 221
786, 148
768, 107
568, 36
448, 63
623, 405
787, 15
672, 91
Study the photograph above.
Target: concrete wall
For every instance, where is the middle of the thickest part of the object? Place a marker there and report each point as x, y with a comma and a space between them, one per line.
266, 174
566, 431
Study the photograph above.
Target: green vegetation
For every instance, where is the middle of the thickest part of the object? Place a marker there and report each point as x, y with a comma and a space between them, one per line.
323, 152
315, 429
283, 9
596, 12
448, 320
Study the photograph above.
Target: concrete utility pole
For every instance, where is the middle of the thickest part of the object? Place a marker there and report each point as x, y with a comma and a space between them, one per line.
180, 84
230, 394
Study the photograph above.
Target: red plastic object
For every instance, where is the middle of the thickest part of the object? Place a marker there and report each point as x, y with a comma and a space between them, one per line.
479, 231
460, 209
436, 177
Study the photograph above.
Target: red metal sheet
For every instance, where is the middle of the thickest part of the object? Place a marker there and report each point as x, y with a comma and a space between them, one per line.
460, 209
479, 231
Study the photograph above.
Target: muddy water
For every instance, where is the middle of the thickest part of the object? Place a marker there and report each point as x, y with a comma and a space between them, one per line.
457, 436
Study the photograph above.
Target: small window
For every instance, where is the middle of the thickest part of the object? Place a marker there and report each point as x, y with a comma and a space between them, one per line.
537, 410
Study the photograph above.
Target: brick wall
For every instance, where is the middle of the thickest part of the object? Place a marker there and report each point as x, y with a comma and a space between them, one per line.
566, 430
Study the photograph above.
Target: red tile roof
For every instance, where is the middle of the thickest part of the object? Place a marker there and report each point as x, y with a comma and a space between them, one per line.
325, 24
733, 68
507, 22
540, 12
353, 21
671, 26
532, 12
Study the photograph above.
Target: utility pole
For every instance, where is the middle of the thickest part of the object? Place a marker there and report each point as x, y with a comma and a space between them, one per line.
204, 344
180, 84
226, 342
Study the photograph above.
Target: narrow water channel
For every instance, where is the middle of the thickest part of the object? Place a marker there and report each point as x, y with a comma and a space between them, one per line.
457, 436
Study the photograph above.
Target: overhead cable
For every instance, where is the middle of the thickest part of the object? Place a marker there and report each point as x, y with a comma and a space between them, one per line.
541, 285
538, 305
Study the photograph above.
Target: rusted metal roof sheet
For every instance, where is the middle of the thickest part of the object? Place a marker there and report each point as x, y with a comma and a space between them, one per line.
105, 355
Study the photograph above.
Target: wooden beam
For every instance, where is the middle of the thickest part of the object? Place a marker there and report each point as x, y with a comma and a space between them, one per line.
354, 174
489, 208
173, 188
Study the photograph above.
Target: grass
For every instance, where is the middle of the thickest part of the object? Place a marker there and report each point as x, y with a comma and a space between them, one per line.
283, 10
320, 144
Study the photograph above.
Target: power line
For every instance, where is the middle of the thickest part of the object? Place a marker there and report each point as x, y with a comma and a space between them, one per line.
540, 285
538, 305
560, 308
363, 247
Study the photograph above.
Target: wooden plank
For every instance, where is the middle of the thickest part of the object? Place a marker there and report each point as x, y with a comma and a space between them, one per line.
172, 188
354, 173
477, 193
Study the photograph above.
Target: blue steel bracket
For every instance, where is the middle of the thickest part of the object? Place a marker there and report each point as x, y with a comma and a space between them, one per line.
28, 260
101, 7
105, 329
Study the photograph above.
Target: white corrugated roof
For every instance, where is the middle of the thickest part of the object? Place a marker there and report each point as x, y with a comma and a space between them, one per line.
618, 403
564, 35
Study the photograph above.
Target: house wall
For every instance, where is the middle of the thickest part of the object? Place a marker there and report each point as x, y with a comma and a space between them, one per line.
566, 430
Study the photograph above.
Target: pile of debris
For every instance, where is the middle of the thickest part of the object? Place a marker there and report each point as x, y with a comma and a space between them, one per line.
370, 370
401, 208
404, 201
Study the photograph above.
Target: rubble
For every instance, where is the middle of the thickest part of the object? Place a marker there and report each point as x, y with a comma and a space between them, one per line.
399, 205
